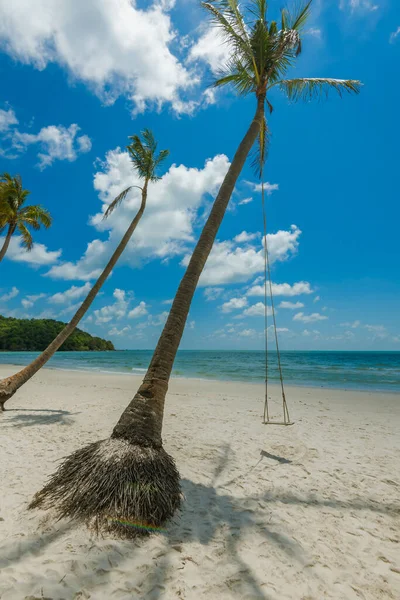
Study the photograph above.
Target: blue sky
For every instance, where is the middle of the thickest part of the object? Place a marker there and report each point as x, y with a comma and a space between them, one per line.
77, 83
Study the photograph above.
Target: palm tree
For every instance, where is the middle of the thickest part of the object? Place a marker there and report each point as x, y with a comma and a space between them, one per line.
15, 216
128, 480
145, 160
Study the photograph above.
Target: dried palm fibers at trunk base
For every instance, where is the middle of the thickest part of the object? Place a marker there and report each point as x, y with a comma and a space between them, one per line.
113, 485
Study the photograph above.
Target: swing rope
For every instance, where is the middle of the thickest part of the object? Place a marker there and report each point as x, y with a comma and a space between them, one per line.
267, 277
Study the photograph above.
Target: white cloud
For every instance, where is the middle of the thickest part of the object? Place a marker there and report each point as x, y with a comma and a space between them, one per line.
247, 333
212, 293
394, 36
314, 32
257, 310
139, 311
309, 318
233, 304
117, 310
9, 295
159, 319
169, 301
73, 293
112, 46
230, 263
268, 187
291, 305
245, 237
375, 328
39, 255
282, 289
317, 299
192, 324
358, 5
166, 228
353, 324
55, 143
116, 331
271, 329
211, 49
314, 332
245, 201
7, 119
29, 301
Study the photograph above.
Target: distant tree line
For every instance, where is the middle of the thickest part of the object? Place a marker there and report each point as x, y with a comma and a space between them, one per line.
36, 335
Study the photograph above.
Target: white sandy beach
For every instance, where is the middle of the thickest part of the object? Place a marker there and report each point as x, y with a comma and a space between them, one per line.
307, 512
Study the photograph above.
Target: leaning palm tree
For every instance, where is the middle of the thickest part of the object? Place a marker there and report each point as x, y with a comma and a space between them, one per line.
14, 216
128, 482
145, 160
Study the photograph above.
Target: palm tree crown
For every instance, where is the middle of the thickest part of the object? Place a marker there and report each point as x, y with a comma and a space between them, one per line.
262, 52
143, 154
15, 215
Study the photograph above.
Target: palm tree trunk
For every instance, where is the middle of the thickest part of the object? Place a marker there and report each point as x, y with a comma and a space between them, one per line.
11, 229
141, 422
9, 386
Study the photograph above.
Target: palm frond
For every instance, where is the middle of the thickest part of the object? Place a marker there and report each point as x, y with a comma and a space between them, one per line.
36, 215
27, 240
237, 74
297, 18
117, 201
309, 88
239, 44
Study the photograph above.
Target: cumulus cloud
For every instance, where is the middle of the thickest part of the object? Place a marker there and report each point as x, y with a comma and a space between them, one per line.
117, 310
309, 318
245, 237
7, 119
257, 310
353, 324
30, 300
282, 289
247, 333
9, 295
211, 49
233, 304
55, 142
212, 293
166, 228
231, 263
139, 311
268, 187
114, 47
116, 331
291, 305
39, 255
73, 293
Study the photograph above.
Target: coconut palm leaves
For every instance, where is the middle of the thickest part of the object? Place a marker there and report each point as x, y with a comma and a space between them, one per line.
262, 54
145, 160
17, 217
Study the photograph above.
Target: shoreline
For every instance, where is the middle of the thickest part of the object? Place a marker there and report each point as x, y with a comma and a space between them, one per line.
290, 384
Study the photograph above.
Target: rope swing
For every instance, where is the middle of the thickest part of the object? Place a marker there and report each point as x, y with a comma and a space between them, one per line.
267, 278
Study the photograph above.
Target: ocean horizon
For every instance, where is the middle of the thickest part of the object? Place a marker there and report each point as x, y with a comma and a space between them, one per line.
354, 370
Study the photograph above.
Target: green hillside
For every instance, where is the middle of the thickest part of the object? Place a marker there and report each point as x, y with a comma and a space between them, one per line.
36, 334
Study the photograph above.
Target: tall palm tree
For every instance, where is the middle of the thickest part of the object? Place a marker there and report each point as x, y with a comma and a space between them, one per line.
145, 160
15, 216
128, 480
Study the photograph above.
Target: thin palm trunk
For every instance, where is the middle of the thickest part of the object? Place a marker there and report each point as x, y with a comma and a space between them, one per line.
9, 386
11, 229
141, 422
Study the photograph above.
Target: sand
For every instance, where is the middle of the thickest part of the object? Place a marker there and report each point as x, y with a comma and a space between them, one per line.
307, 512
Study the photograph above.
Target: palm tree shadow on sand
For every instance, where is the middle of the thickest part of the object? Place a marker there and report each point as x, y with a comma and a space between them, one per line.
210, 514
26, 417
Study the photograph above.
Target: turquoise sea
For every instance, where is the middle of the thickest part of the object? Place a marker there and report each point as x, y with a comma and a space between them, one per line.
347, 370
